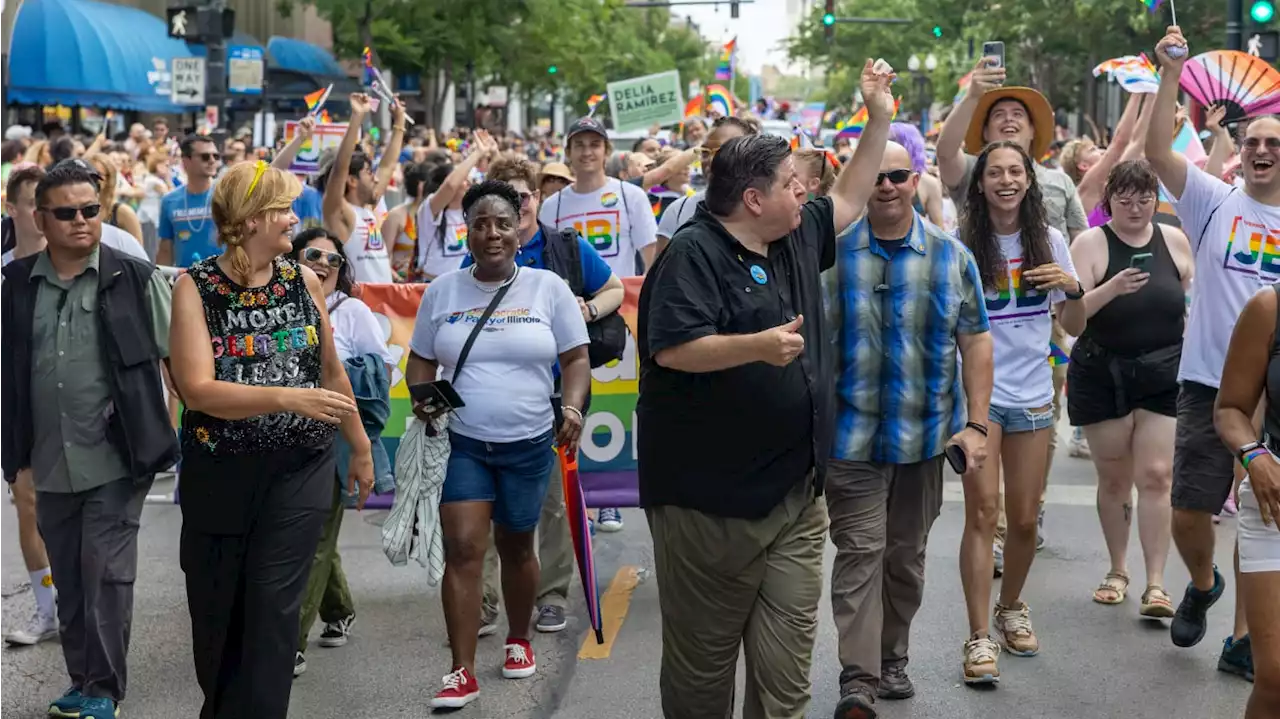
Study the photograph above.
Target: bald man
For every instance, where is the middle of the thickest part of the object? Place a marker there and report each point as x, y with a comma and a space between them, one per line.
913, 298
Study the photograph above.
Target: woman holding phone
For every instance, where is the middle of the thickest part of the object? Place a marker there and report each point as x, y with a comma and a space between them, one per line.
1026, 270
499, 383
1122, 382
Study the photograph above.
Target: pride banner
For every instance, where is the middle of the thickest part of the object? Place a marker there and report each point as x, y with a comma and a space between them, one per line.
608, 458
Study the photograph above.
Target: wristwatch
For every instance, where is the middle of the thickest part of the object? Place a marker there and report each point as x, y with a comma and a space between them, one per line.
591, 310
1079, 293
1242, 451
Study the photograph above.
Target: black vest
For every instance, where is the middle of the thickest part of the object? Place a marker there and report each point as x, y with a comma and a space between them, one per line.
139, 428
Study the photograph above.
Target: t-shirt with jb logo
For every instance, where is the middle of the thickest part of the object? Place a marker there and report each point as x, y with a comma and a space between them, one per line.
367, 253
616, 219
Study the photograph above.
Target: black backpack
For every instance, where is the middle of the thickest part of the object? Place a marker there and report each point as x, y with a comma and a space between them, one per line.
608, 334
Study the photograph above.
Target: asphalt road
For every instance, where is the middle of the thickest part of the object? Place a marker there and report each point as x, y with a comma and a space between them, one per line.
1095, 661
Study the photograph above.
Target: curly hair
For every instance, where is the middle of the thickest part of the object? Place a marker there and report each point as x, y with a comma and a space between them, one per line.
495, 188
978, 233
1130, 176
508, 169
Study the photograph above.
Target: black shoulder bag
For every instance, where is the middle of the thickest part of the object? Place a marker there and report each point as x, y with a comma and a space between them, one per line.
608, 334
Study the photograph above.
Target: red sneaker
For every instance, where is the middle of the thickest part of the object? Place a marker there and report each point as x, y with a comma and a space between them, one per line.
520, 662
460, 689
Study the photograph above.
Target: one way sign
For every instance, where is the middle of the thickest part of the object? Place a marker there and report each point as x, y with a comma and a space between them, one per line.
187, 87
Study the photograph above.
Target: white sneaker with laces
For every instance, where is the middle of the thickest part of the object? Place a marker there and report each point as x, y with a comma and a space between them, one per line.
40, 628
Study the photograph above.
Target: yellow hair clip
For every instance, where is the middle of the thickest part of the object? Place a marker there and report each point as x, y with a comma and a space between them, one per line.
257, 176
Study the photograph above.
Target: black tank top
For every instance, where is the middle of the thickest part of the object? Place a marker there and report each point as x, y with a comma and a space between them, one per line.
262, 336
1149, 319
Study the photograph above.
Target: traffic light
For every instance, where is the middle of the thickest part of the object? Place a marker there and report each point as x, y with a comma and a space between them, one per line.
733, 9
829, 21
1262, 11
552, 69
937, 31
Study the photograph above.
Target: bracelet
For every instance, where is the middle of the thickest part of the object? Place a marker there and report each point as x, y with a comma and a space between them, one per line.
979, 428
575, 410
398, 128
1251, 455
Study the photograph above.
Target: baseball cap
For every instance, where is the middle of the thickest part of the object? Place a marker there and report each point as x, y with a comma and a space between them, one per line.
585, 124
17, 132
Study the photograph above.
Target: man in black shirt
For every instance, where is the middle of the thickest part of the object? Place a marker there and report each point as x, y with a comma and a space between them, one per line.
735, 422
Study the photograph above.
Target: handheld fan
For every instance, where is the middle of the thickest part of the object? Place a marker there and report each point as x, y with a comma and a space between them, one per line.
1248, 86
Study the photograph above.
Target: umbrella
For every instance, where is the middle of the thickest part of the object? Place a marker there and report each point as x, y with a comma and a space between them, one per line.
580, 530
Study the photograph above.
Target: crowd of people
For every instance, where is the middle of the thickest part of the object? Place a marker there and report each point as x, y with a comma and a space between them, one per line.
857, 317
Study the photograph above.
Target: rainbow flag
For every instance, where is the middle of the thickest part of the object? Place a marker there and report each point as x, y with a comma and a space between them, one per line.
366, 59
315, 100
854, 128
718, 95
1057, 357
728, 58
593, 102
1152, 5
963, 84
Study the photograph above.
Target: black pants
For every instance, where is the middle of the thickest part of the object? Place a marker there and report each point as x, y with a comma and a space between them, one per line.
249, 532
92, 539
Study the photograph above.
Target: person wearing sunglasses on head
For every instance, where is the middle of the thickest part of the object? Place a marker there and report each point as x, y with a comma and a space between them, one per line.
85, 328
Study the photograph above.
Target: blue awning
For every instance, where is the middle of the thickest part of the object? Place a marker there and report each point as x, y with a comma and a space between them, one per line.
299, 56
82, 52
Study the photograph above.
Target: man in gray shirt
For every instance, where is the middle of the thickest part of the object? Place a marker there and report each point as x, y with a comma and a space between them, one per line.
84, 330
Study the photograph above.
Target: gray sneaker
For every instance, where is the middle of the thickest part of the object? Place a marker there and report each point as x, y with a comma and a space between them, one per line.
551, 619
488, 621
1040, 540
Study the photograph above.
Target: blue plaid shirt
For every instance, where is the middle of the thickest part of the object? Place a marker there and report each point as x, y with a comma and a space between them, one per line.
898, 390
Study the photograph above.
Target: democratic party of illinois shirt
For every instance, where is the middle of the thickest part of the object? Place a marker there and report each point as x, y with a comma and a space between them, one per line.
367, 253
1021, 327
442, 239
1236, 243
616, 219
187, 219
506, 379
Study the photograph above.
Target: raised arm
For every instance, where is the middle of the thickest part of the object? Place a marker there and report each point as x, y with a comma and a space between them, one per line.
334, 206
1223, 144
457, 179
1091, 185
857, 181
391, 155
1169, 166
284, 158
951, 164
674, 164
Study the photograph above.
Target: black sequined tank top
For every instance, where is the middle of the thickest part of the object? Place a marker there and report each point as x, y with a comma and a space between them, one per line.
265, 336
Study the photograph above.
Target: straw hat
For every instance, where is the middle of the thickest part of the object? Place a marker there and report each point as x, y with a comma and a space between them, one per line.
556, 169
1037, 107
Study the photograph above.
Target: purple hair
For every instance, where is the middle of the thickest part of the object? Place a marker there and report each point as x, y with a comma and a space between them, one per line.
909, 136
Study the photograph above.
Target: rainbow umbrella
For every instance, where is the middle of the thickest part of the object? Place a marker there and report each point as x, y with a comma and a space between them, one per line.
580, 531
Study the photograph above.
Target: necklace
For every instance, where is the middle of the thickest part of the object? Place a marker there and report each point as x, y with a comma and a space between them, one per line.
484, 287
186, 210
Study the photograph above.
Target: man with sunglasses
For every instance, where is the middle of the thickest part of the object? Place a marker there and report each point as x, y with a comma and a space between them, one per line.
909, 297
83, 410
187, 231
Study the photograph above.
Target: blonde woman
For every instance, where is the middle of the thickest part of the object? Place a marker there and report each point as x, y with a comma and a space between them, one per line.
119, 214
264, 390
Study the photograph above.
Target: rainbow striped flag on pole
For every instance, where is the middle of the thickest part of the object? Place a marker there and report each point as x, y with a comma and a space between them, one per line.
728, 60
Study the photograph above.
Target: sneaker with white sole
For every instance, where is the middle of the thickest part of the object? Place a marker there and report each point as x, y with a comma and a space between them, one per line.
299, 664
551, 619
335, 633
460, 689
520, 662
610, 519
1013, 625
980, 656
40, 628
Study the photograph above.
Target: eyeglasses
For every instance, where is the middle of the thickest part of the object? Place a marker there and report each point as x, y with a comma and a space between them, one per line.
897, 177
315, 254
525, 197
68, 214
1253, 143
207, 156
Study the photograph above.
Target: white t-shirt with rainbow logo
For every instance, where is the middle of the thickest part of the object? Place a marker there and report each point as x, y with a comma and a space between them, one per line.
367, 253
616, 219
442, 239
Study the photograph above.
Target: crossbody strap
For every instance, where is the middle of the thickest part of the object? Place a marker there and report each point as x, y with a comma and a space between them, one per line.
484, 318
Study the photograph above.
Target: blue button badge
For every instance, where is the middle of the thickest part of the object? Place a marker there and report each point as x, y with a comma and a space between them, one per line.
757, 274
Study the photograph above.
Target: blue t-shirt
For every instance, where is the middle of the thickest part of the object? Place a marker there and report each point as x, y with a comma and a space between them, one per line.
308, 208
187, 220
595, 271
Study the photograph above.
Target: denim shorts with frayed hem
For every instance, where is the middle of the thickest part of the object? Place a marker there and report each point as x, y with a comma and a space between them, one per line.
511, 475
1013, 420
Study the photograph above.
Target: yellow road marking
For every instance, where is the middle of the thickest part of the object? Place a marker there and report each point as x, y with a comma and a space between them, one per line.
613, 610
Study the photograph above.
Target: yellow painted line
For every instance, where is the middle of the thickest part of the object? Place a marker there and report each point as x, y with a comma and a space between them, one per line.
613, 610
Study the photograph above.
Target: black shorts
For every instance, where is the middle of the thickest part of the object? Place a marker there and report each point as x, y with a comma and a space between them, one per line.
1202, 464
1103, 386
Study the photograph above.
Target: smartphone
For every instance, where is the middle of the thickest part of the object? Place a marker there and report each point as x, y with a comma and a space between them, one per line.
956, 458
994, 49
1141, 261
440, 393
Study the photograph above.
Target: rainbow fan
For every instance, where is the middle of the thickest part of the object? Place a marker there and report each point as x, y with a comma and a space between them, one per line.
1247, 85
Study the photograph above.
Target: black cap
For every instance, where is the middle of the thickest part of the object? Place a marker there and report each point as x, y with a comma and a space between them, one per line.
585, 124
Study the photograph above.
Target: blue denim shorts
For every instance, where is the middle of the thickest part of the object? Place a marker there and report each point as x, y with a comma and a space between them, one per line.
1014, 420
511, 475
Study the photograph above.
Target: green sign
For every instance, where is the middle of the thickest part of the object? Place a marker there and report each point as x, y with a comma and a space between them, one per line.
638, 103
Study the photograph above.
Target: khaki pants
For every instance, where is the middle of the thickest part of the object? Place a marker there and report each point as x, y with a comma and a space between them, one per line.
1059, 379
881, 515
726, 584
555, 552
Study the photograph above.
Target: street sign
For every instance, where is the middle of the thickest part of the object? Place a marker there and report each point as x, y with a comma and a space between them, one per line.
188, 83
244, 69
183, 23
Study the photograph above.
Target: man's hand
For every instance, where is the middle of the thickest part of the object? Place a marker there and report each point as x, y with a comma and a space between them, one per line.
360, 104
875, 89
1173, 38
985, 78
782, 344
306, 127
974, 444
397, 112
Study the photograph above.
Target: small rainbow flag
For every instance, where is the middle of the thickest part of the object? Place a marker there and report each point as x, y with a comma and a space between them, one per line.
593, 102
718, 95
315, 100
728, 58
963, 84
366, 58
854, 128
1057, 357
1152, 5
800, 140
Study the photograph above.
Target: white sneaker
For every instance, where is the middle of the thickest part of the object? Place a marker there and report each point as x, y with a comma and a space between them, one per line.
41, 628
610, 520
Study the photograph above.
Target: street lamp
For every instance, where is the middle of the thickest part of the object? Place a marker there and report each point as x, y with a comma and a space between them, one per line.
913, 63
931, 63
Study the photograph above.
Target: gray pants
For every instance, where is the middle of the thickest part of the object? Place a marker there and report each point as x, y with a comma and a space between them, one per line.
92, 539
880, 520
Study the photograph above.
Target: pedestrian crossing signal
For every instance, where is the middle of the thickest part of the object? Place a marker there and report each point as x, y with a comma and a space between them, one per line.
828, 19
552, 70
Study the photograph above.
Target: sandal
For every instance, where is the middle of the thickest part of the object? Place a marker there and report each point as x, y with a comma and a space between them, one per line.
1117, 583
1156, 603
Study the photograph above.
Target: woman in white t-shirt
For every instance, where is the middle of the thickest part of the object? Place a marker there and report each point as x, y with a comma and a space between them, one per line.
501, 440
1026, 272
442, 229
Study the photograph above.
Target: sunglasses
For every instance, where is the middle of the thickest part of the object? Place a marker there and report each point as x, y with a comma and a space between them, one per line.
207, 156
1253, 143
315, 254
68, 214
525, 197
897, 177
